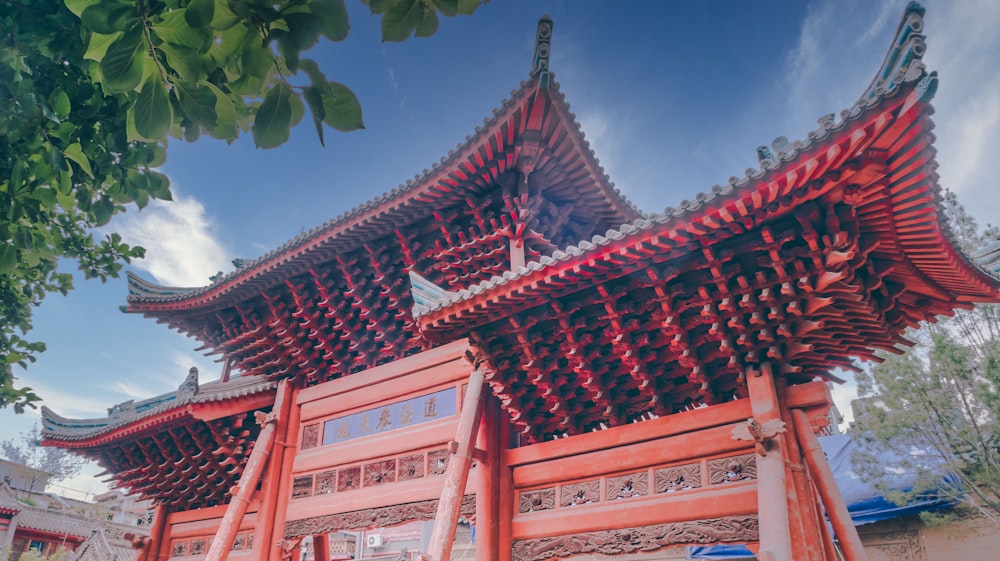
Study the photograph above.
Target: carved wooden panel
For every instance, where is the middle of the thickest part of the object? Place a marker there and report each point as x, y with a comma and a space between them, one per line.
537, 499
199, 547
381, 517
377, 473
179, 549
302, 486
733, 468
310, 436
641, 539
627, 486
240, 543
677, 478
250, 540
326, 482
411, 467
583, 492
349, 479
437, 461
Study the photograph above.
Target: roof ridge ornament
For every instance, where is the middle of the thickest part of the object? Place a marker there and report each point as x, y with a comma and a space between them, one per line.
543, 47
903, 62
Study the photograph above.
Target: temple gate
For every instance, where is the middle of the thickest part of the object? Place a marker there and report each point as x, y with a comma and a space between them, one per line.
507, 339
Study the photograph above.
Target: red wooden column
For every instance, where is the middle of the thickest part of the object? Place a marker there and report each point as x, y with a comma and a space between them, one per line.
219, 550
772, 486
457, 473
488, 493
280, 493
321, 547
840, 519
269, 502
156, 535
803, 512
505, 501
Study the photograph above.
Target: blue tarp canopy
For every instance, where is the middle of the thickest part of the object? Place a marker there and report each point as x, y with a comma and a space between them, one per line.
865, 503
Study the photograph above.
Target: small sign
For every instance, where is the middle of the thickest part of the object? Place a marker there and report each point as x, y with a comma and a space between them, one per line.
415, 411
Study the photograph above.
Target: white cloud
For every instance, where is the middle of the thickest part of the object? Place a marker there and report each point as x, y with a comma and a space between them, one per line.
178, 235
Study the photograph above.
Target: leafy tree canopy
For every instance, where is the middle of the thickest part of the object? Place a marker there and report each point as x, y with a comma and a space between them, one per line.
934, 410
90, 91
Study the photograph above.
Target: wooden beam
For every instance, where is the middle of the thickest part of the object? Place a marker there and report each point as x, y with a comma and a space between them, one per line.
775, 541
230, 524
829, 493
457, 473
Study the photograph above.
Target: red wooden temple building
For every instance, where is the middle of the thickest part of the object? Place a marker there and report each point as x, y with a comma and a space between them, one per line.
505, 338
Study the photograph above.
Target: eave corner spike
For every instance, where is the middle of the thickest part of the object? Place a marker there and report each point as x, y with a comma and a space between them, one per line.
543, 44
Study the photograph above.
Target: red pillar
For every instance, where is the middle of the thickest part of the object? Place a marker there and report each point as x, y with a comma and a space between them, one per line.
280, 493
269, 485
840, 519
231, 520
488, 493
457, 473
772, 486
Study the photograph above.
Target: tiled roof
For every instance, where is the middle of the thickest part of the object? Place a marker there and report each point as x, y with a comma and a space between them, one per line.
902, 69
141, 290
56, 427
55, 523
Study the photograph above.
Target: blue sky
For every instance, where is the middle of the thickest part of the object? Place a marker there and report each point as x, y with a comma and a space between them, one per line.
673, 97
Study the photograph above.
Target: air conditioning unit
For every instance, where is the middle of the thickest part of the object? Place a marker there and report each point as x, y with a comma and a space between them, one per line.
373, 540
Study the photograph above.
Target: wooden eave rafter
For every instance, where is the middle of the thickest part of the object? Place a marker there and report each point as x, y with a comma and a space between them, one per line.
939, 266
533, 116
811, 263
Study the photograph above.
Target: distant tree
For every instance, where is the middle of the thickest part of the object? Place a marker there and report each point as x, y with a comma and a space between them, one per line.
934, 409
90, 91
26, 450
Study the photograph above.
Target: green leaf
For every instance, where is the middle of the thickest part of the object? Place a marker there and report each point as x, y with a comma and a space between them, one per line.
342, 108
223, 18
333, 20
159, 185
467, 7
273, 121
99, 44
199, 13
121, 67
197, 103
429, 25
401, 19
185, 61
152, 109
78, 6
447, 7
108, 16
102, 208
59, 102
314, 98
174, 28
75, 153
8, 258
225, 114
298, 109
316, 75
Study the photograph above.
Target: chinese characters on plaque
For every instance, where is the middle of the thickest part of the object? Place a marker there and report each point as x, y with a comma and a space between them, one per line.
430, 407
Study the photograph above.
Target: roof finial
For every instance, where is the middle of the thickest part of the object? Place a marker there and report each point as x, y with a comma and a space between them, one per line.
543, 43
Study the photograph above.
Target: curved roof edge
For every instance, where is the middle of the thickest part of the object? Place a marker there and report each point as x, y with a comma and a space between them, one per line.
902, 70
541, 79
62, 429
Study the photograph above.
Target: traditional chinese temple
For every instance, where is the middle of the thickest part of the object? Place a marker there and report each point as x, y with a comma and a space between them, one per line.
506, 341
